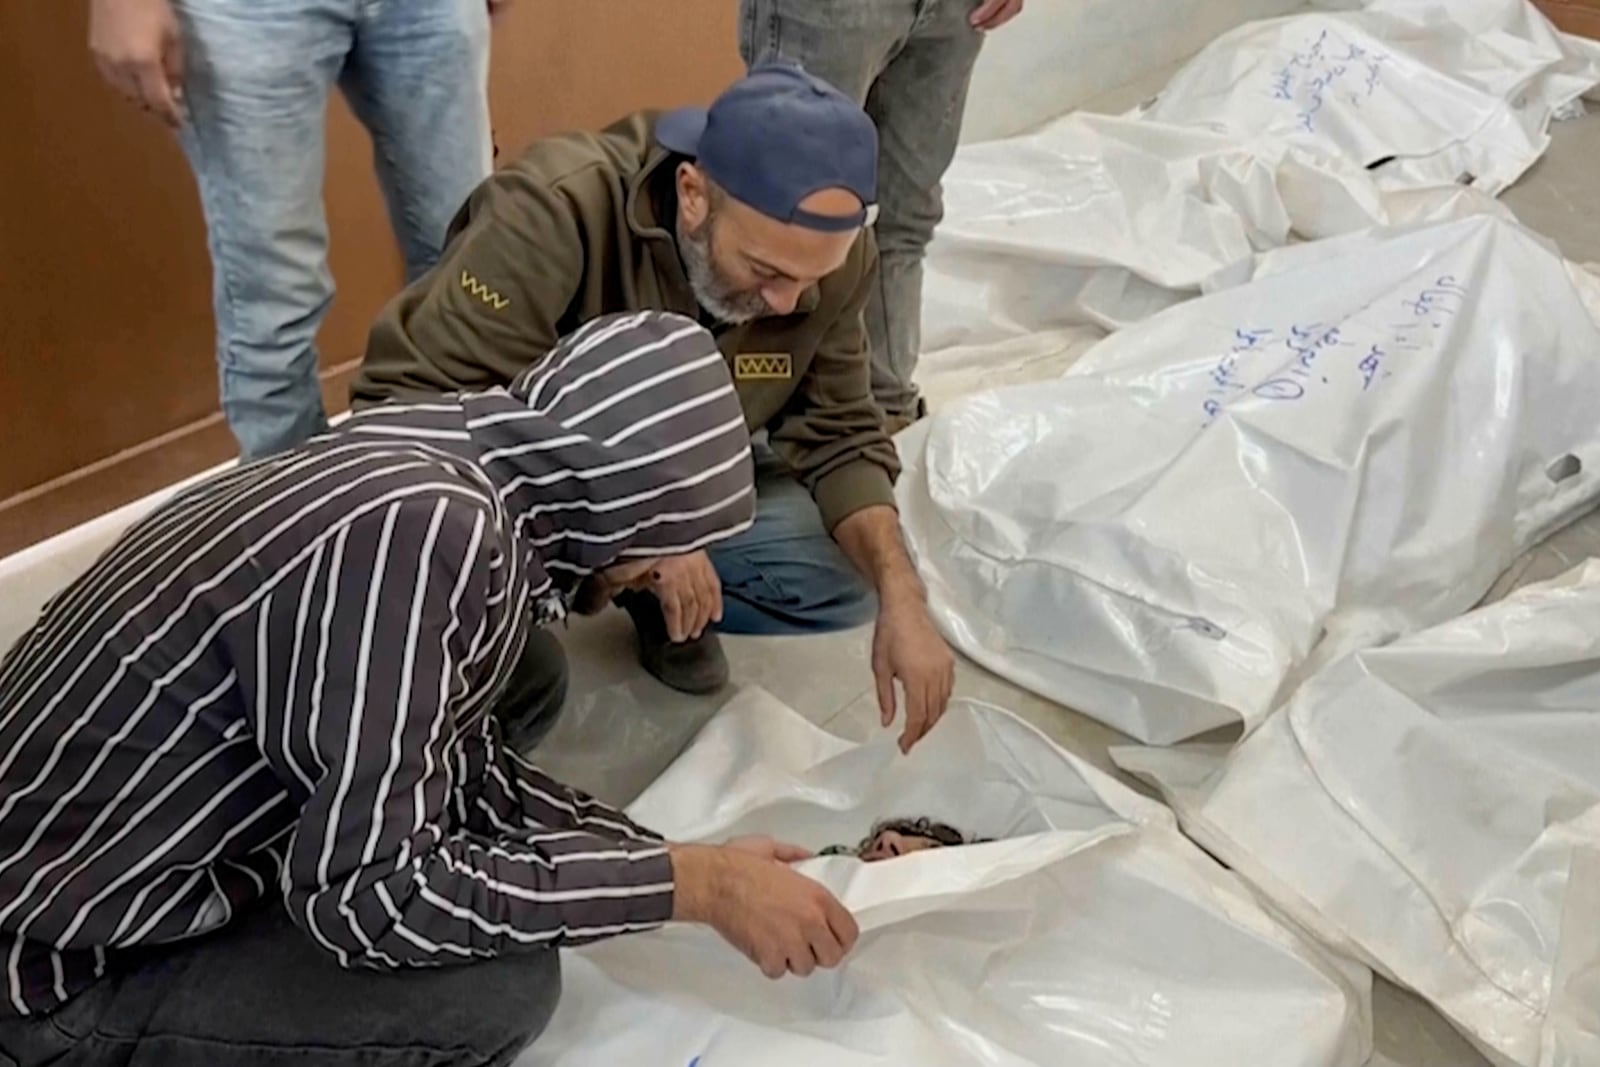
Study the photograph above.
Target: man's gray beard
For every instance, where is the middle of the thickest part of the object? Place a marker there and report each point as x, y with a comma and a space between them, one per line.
710, 293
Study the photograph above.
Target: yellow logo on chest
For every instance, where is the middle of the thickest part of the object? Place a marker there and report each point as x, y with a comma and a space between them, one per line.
763, 367
483, 292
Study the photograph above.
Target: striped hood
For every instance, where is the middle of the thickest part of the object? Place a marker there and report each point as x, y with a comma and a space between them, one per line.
626, 440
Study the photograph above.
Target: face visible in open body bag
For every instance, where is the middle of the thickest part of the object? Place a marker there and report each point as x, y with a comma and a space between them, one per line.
901, 837
1086, 930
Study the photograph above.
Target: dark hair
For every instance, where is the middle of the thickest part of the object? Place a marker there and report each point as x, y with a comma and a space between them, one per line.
942, 833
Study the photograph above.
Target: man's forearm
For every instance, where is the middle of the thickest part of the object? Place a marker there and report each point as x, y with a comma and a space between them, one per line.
907, 651
541, 801
871, 538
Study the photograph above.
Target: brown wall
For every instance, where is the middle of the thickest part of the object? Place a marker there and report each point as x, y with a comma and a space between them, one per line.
1574, 16
107, 380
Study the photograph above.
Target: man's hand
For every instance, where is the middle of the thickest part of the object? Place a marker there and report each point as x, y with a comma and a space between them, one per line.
139, 50
906, 647
783, 921
992, 14
767, 848
690, 593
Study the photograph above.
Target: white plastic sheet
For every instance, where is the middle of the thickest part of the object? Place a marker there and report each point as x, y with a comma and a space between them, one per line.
1108, 220
1434, 807
1351, 447
1092, 932
1267, 133
962, 370
1070, 51
1553, 556
1440, 91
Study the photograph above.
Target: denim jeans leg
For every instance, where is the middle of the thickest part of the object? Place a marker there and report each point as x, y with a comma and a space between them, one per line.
418, 78
846, 43
785, 575
909, 62
917, 103
257, 77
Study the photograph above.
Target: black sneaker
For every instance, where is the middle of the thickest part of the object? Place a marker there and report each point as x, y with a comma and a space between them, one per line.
698, 667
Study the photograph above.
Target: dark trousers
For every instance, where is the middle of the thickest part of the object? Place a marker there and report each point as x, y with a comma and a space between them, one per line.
260, 993
535, 693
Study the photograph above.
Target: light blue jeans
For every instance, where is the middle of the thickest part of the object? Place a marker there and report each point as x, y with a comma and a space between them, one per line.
785, 575
258, 74
908, 62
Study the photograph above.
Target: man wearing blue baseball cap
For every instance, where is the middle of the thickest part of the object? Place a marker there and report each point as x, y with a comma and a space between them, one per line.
754, 217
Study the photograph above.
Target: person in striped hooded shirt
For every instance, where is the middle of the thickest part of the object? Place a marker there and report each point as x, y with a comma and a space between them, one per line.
256, 803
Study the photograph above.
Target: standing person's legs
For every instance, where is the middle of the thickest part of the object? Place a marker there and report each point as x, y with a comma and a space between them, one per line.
262, 994
256, 84
917, 103
846, 43
418, 78
786, 575
909, 62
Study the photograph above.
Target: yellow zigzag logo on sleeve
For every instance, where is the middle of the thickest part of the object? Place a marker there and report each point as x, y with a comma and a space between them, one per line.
483, 292
763, 366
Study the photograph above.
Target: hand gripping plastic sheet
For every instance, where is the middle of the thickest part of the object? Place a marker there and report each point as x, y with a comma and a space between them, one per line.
1350, 447
1434, 806
1425, 92
1092, 932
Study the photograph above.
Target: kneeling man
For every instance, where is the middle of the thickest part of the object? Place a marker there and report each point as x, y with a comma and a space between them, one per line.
752, 218
256, 804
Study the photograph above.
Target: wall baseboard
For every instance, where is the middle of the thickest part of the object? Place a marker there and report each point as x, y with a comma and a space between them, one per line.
43, 511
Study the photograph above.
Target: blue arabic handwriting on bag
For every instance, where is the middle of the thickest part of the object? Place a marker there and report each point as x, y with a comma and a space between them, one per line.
1311, 345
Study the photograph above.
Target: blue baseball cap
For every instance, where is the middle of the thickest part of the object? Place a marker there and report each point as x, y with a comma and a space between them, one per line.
776, 136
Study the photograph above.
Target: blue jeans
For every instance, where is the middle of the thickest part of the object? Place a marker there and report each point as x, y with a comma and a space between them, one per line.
785, 575
258, 74
908, 62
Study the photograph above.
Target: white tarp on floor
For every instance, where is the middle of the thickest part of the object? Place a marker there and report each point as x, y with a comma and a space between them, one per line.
1268, 132
1350, 447
1434, 807
1092, 931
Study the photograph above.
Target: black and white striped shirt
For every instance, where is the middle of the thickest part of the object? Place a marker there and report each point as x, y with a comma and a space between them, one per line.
280, 681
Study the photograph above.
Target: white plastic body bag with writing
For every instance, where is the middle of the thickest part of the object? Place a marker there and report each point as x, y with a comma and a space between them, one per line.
1091, 931
1350, 447
1433, 806
1268, 134
1424, 92
1103, 220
